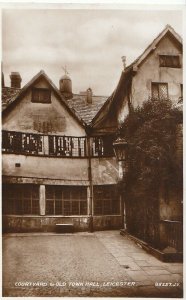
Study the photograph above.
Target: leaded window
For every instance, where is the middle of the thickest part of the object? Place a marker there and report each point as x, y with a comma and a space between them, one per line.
106, 200
171, 61
41, 95
20, 199
66, 200
159, 90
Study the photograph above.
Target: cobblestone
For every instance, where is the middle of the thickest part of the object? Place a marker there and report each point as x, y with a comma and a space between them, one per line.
101, 263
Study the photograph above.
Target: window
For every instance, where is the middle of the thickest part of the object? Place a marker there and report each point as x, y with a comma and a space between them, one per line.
19, 199
102, 146
171, 61
41, 95
106, 200
159, 90
66, 200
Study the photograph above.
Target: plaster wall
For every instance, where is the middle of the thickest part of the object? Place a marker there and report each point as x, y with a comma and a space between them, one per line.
48, 224
45, 167
150, 71
104, 171
44, 118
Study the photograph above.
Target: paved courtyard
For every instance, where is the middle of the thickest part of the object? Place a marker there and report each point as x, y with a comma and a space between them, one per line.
85, 264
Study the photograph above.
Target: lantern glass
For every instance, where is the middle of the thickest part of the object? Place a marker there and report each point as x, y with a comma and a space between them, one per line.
120, 146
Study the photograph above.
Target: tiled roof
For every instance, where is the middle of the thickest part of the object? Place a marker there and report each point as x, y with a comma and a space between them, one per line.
78, 104
8, 95
85, 110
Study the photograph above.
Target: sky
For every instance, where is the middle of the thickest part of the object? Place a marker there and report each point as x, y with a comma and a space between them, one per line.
89, 42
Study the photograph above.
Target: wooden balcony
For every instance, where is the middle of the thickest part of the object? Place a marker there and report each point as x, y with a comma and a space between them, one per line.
55, 146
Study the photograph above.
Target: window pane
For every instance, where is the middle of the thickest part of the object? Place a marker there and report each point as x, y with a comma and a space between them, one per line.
107, 207
83, 193
8, 206
115, 206
27, 192
50, 207
67, 208
106, 200
27, 207
66, 193
11, 206
58, 193
49, 192
58, 207
171, 61
41, 95
35, 207
155, 93
75, 207
35, 192
83, 207
163, 91
35, 95
18, 206
75, 193
98, 207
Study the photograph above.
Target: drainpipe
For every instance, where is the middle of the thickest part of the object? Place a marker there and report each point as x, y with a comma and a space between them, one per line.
91, 227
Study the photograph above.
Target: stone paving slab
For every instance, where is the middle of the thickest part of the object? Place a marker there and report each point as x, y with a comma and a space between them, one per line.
143, 263
138, 275
149, 267
145, 269
157, 272
175, 269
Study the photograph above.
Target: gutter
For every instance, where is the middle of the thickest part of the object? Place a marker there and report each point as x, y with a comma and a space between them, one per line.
90, 202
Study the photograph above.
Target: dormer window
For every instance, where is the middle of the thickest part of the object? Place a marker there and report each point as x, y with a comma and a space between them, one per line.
170, 61
41, 95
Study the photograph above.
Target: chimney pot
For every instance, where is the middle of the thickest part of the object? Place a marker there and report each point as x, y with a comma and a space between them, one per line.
15, 80
124, 62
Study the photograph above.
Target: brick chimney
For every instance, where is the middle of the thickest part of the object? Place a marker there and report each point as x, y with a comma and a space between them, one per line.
89, 96
15, 80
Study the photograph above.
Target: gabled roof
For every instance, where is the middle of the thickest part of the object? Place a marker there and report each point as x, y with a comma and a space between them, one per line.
152, 46
11, 96
133, 68
77, 105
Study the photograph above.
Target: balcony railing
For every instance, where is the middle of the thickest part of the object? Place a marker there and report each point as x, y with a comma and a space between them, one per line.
53, 145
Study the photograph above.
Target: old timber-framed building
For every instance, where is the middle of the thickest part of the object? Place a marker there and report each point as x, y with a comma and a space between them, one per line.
58, 160
51, 163
157, 74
